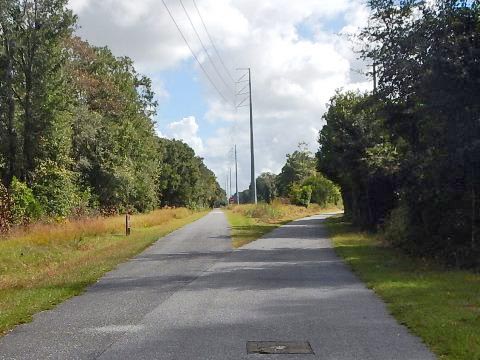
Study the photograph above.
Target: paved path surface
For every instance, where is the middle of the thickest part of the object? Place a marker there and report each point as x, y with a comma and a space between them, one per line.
190, 297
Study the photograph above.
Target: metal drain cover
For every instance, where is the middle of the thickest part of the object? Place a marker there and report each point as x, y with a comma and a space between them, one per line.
278, 347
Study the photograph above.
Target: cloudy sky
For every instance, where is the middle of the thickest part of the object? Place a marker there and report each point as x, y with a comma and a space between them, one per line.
298, 52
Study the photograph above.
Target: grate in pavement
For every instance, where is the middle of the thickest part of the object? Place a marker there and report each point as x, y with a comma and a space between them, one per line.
279, 347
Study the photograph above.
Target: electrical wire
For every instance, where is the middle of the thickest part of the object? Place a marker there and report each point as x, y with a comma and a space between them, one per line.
193, 53
203, 46
212, 42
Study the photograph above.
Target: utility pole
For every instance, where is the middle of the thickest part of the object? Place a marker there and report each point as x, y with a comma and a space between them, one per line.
236, 177
374, 77
252, 151
253, 184
230, 182
226, 189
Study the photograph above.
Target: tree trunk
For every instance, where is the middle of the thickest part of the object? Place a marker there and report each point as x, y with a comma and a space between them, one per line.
10, 47
475, 205
28, 135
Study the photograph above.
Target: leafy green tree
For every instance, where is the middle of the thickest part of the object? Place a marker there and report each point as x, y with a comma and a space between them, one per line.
355, 152
179, 173
114, 143
41, 26
25, 207
427, 55
245, 196
300, 165
301, 194
208, 191
37, 119
184, 180
409, 154
76, 126
267, 187
324, 191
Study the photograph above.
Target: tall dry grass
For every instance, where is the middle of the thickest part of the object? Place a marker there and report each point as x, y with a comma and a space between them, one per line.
44, 250
277, 211
45, 264
44, 234
250, 222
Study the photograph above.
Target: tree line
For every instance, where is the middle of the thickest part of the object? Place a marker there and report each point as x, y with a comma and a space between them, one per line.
407, 157
76, 126
298, 182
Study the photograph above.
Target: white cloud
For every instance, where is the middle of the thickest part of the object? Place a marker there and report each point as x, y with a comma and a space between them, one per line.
186, 130
78, 5
293, 76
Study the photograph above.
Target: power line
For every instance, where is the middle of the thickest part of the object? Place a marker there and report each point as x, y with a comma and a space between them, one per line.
203, 45
193, 53
211, 42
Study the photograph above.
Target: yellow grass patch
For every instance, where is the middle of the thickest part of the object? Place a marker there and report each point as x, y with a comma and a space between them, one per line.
250, 222
45, 264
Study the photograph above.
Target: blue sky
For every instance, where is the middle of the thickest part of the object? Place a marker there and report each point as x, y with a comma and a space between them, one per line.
307, 29
297, 60
184, 93
185, 97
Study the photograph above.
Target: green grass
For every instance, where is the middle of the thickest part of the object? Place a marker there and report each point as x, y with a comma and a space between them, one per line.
441, 306
246, 229
250, 222
36, 275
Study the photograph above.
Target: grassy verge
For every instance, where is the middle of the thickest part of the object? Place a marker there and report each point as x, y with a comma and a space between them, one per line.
47, 264
250, 222
440, 306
